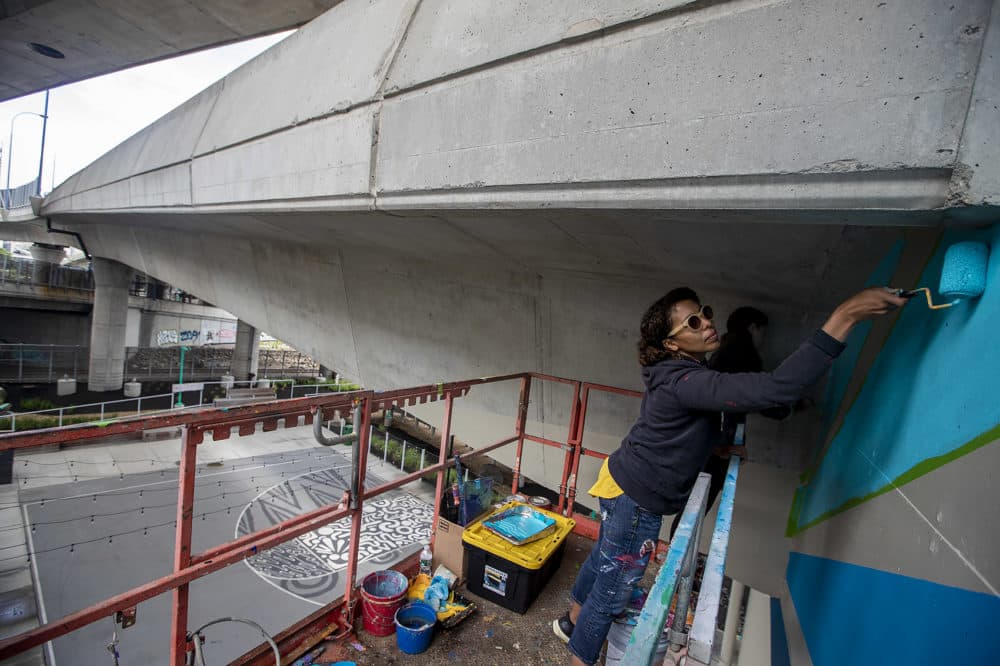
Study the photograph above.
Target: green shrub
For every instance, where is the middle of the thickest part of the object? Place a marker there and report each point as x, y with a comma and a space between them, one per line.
34, 422
36, 404
412, 462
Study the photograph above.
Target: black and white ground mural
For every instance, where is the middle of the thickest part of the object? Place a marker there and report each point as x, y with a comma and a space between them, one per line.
309, 567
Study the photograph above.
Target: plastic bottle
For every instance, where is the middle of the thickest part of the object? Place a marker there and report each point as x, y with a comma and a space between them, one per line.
425, 559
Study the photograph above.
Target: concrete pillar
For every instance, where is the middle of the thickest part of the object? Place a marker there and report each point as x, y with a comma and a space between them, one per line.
246, 351
146, 321
108, 325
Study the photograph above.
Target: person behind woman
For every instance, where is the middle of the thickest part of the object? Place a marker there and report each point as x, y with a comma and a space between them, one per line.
651, 474
739, 351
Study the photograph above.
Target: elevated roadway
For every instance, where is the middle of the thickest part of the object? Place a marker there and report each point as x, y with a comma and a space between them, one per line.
412, 191
96, 38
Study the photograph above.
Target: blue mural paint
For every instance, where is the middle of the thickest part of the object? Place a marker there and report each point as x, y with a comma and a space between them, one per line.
929, 392
856, 615
779, 643
843, 367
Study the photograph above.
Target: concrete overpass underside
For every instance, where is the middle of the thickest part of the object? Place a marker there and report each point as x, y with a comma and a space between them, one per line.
97, 37
415, 191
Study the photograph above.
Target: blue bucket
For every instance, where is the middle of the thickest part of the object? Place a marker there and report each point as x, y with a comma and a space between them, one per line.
415, 627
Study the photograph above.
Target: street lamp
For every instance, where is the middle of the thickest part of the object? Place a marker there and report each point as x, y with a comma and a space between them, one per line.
180, 379
10, 146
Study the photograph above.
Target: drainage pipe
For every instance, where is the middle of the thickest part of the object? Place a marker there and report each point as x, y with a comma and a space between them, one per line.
332, 441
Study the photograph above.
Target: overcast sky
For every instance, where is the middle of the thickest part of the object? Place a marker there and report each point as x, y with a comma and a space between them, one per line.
89, 118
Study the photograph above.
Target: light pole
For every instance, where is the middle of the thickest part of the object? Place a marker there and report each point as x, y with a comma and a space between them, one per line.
10, 146
180, 379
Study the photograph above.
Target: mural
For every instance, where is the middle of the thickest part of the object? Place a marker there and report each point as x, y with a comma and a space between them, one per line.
309, 567
856, 615
927, 399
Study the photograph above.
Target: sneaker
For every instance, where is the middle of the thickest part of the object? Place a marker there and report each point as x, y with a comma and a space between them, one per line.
563, 628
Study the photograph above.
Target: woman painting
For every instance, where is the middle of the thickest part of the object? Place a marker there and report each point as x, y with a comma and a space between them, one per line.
651, 474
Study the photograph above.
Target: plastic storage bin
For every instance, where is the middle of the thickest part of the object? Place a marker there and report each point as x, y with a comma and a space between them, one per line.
508, 575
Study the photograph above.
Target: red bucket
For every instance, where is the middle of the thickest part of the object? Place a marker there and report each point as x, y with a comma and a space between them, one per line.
382, 594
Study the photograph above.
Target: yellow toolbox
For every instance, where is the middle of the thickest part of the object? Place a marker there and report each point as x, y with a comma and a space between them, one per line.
509, 575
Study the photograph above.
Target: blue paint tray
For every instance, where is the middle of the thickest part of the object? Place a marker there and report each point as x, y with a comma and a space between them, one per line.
520, 525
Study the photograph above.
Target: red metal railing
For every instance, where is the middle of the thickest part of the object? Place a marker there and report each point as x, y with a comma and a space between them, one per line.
189, 566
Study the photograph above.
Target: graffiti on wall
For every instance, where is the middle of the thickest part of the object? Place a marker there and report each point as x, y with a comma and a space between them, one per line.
218, 332
212, 332
927, 399
166, 337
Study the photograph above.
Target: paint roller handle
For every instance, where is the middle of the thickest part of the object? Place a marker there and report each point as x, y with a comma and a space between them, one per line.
866, 304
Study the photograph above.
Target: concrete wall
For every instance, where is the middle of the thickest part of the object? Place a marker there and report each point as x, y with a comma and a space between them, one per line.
37, 327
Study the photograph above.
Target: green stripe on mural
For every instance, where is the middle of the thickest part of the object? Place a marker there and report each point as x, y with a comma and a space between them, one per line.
915, 472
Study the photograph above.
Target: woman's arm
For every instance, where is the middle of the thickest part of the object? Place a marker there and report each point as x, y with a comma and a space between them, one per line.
705, 389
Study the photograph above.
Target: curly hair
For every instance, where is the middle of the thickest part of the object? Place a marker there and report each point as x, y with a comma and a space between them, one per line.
657, 323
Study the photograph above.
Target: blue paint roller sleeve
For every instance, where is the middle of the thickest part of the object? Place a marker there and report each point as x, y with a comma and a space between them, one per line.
964, 272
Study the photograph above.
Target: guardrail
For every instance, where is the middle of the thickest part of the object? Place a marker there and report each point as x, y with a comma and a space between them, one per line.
222, 424
129, 407
21, 271
677, 575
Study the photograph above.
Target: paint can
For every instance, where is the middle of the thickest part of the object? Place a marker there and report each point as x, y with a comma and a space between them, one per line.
541, 501
516, 497
382, 594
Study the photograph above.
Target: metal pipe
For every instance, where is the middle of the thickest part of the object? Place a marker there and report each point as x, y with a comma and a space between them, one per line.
575, 440
520, 425
182, 546
329, 441
41, 152
362, 417
355, 459
444, 452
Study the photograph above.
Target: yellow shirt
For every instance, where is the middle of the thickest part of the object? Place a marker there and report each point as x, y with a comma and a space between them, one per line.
605, 486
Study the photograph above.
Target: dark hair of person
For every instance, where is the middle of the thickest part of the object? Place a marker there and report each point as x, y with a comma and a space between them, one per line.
657, 324
736, 350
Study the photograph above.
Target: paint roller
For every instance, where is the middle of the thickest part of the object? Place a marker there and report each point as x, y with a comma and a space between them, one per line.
963, 275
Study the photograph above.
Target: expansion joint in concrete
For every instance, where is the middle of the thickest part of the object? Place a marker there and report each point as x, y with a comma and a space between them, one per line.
385, 71
580, 32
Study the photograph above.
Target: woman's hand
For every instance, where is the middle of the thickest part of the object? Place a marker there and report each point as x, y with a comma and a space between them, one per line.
868, 304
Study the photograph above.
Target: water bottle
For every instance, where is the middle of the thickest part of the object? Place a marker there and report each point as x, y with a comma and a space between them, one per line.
425, 560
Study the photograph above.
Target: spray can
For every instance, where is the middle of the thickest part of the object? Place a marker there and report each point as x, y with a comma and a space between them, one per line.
426, 556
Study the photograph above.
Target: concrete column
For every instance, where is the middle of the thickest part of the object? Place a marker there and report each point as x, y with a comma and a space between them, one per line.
246, 351
108, 325
146, 321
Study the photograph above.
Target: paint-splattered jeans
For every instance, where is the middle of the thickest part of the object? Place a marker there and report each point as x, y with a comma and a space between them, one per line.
615, 566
